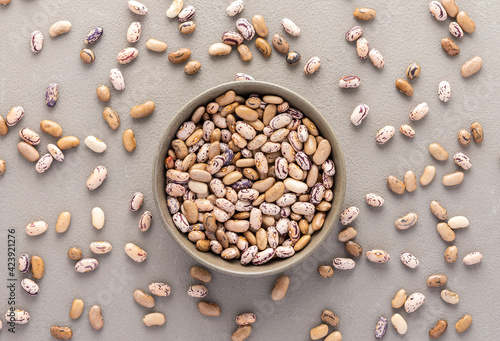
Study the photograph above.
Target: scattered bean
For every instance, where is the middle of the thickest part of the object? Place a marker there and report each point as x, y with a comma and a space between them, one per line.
451, 254
59, 27
438, 330
450, 7
86, 265
95, 317
129, 141
450, 297
290, 27
93, 36
136, 253
465, 22
456, 30
463, 324
209, 309
280, 288
134, 32
175, 8
116, 78
470, 259
453, 179
235, 7
437, 10
37, 267
63, 222
36, 41
404, 87
74, 253
111, 117
436, 281
399, 299
158, 45
477, 132
364, 14
97, 177
319, 332
413, 71
76, 309
428, 175
464, 137
399, 324
450, 47
471, 66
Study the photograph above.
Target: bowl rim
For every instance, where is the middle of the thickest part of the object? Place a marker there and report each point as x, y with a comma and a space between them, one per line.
159, 169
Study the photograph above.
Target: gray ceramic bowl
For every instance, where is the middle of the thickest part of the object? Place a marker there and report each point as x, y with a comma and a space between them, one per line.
210, 259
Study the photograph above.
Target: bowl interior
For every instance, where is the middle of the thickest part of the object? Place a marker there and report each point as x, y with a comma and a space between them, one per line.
213, 261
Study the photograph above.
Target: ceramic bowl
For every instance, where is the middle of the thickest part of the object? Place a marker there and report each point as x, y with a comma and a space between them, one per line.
209, 259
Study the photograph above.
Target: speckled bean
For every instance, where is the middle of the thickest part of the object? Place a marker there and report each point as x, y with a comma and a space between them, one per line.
235, 8
381, 328
473, 258
409, 260
135, 252
116, 78
362, 48
344, 263
437, 10
290, 27
36, 228
86, 265
93, 36
378, 256
36, 41
134, 32
349, 82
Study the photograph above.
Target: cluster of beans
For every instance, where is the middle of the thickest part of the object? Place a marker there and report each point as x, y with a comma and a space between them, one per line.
258, 28
244, 180
445, 229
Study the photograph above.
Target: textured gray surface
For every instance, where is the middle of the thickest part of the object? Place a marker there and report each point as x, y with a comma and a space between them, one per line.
404, 32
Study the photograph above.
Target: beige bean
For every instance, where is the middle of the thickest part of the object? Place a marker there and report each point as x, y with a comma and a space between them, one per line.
453, 179
335, 336
209, 309
450, 297
259, 24
68, 142
157, 45
192, 67
241, 333
280, 288
465, 22
142, 110
438, 152
63, 222
219, 49
407, 221
446, 232
154, 319
179, 56
59, 27
51, 128
450, 7
2, 167
428, 175
144, 299
471, 66
410, 180
129, 140
399, 299
135, 252
28, 151
37, 267
463, 324
347, 234
95, 317
395, 185
245, 53
319, 332
76, 309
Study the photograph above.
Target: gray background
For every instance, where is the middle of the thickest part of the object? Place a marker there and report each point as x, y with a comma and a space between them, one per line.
403, 31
